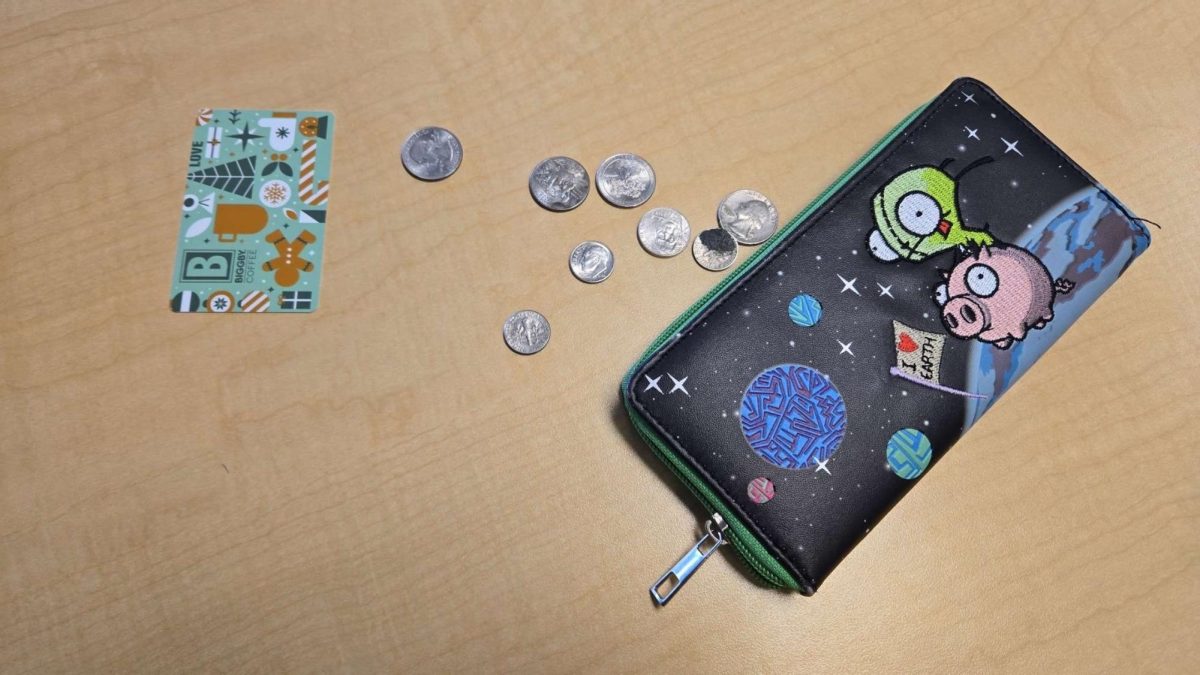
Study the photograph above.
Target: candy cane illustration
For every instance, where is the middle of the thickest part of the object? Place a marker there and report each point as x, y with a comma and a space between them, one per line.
308, 164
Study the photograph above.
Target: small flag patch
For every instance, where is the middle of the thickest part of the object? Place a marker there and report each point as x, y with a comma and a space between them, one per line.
918, 352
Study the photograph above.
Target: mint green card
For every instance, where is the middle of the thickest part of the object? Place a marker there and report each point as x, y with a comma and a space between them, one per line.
253, 223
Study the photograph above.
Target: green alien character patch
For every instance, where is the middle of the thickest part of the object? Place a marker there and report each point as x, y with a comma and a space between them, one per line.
916, 215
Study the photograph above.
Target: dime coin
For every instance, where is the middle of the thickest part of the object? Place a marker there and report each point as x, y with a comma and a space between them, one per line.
591, 262
526, 332
714, 249
749, 216
664, 232
625, 180
431, 153
559, 183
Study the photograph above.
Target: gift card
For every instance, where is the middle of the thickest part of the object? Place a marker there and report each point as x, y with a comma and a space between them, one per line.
252, 225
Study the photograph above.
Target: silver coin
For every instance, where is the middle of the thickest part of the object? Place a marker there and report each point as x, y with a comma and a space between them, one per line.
625, 180
749, 216
714, 249
559, 183
591, 262
431, 153
664, 232
526, 332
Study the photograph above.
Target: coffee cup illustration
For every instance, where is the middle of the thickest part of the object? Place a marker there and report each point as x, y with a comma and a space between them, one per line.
233, 220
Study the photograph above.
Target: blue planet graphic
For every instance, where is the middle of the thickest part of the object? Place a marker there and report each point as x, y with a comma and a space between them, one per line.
1085, 238
793, 416
908, 453
804, 310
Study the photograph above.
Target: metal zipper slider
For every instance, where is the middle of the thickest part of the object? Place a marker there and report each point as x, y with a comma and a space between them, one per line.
669, 584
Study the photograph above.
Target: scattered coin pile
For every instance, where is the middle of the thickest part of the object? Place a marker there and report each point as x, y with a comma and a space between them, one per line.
749, 216
624, 180
559, 183
663, 232
715, 249
526, 332
591, 262
431, 153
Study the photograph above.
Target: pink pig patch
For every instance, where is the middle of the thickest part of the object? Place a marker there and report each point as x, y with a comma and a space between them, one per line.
998, 294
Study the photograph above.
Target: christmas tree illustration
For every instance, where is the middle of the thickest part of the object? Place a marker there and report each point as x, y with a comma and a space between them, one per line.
235, 177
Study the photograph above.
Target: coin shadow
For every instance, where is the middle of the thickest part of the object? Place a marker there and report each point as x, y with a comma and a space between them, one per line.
620, 420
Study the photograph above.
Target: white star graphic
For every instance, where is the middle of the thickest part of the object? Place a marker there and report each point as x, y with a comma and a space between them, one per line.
821, 467
1011, 146
971, 133
885, 290
849, 285
970, 98
845, 347
677, 385
652, 383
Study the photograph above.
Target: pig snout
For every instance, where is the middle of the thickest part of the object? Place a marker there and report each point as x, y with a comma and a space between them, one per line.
964, 316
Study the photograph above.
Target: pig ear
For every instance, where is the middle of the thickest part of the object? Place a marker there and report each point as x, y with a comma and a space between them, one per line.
984, 251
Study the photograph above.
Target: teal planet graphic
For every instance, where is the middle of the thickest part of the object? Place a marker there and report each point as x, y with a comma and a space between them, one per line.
1085, 238
804, 310
908, 453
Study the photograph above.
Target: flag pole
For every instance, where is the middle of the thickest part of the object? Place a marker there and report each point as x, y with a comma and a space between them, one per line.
933, 385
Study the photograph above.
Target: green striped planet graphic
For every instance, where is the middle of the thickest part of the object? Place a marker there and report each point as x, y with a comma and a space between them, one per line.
908, 453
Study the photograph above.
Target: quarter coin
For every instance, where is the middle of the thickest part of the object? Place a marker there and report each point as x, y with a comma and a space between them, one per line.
625, 180
714, 249
591, 262
526, 332
749, 216
663, 232
431, 153
559, 183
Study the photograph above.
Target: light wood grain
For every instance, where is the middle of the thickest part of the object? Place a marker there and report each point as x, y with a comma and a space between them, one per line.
382, 486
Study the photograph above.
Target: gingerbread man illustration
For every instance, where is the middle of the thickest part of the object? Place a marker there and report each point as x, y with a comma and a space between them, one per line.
289, 264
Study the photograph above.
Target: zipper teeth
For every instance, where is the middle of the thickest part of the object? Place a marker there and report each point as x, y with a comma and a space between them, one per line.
752, 551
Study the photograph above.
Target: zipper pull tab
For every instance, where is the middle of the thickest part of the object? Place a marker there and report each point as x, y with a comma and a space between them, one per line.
669, 584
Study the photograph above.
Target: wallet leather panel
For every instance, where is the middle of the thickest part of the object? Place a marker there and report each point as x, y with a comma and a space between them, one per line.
839, 452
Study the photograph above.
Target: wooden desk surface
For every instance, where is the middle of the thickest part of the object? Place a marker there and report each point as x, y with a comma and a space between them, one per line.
383, 486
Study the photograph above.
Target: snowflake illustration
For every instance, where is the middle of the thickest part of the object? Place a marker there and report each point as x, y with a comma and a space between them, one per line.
219, 304
281, 132
274, 193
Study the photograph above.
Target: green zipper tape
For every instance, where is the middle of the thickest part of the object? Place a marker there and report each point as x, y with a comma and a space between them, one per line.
747, 544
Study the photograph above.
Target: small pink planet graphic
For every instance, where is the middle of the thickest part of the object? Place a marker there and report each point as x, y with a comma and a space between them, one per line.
760, 490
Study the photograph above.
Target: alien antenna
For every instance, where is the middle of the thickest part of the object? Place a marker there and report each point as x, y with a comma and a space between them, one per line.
974, 165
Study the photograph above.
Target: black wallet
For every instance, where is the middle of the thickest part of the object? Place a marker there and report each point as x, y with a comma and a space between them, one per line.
807, 392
